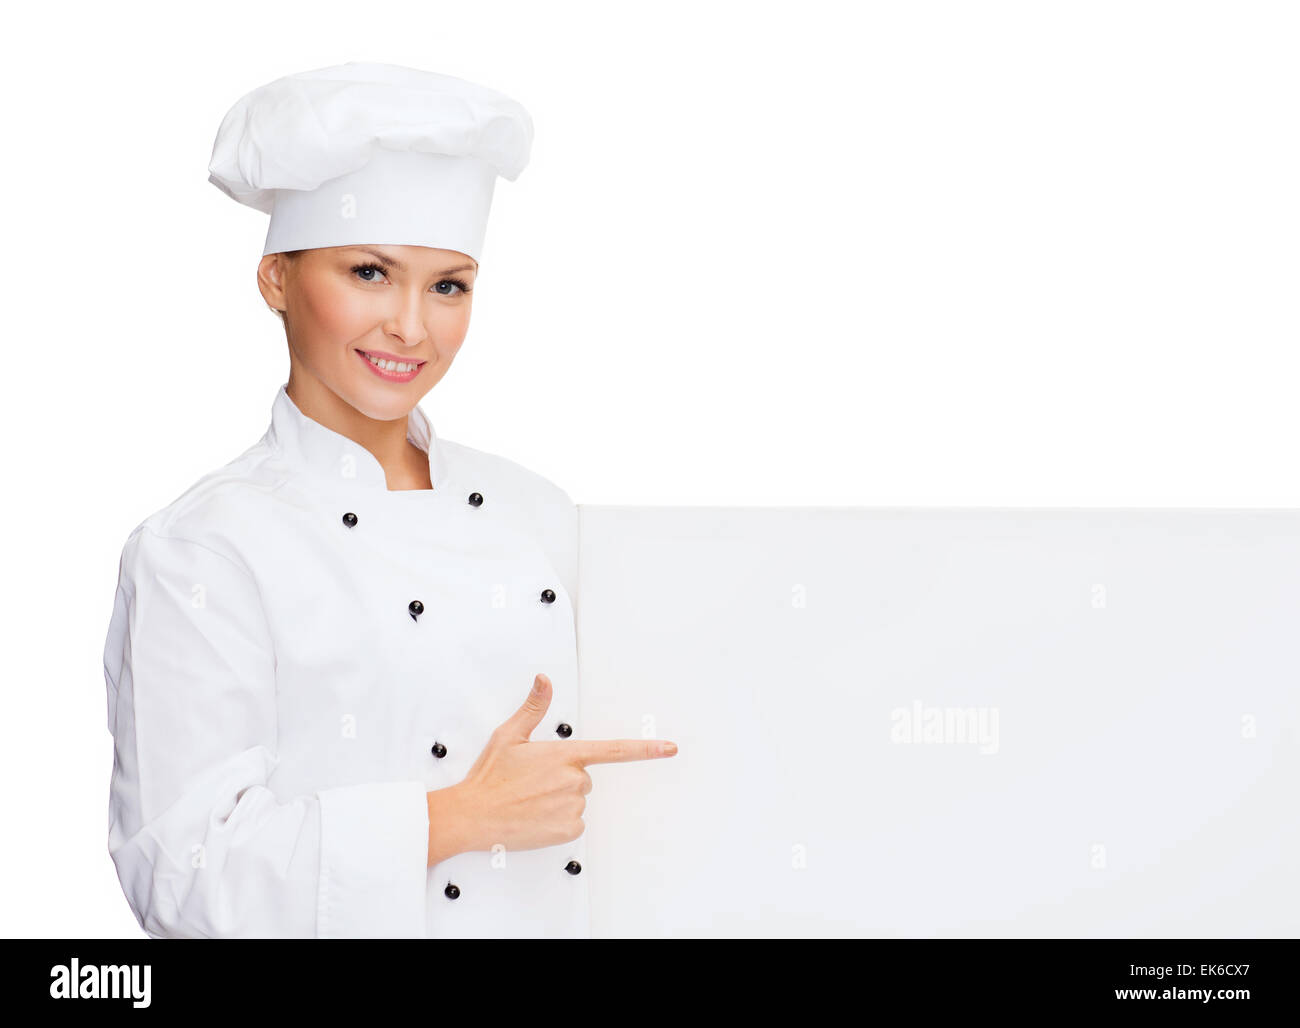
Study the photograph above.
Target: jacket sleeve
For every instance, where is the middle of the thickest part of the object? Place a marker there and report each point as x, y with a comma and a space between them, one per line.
202, 846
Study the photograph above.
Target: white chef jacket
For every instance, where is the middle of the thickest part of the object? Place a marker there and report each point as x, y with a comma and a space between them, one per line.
297, 655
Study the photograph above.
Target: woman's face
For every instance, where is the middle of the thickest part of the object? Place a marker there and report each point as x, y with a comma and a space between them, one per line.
345, 305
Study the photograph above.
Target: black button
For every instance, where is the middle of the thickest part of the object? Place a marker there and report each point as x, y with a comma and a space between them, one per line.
476, 499
416, 608
573, 867
451, 892
548, 596
350, 519
564, 731
439, 750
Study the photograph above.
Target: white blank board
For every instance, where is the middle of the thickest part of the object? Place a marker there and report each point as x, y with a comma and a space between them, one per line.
943, 722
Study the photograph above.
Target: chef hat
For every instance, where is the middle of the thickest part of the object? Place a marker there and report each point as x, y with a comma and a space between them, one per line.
371, 153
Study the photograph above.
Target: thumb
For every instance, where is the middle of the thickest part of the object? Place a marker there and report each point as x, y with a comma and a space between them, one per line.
521, 723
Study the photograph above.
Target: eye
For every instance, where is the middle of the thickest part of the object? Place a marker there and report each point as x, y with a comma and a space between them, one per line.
459, 283
375, 272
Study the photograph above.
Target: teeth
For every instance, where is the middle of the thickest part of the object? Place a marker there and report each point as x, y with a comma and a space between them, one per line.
401, 366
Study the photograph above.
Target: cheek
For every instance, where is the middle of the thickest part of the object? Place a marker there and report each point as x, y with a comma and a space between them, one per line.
450, 325
337, 314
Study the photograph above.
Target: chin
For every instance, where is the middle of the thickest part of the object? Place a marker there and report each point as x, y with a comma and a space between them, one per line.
385, 404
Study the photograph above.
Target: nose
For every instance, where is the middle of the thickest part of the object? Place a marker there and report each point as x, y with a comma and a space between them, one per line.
405, 322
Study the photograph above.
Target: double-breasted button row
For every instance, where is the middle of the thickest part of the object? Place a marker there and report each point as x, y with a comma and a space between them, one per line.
415, 608
350, 519
563, 730
452, 891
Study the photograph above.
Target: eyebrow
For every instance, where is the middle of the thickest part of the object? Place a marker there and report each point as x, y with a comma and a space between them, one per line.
393, 262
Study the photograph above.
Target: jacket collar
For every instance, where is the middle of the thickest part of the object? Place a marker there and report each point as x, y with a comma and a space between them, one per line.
306, 443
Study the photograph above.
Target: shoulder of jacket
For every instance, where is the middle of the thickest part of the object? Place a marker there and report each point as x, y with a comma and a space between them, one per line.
471, 466
204, 512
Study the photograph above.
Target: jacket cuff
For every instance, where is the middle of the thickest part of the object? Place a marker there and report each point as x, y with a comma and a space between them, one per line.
373, 861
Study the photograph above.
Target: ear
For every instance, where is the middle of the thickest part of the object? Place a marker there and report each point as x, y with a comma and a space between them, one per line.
271, 271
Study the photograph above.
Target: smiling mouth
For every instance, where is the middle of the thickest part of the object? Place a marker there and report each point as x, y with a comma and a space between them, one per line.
390, 369
400, 367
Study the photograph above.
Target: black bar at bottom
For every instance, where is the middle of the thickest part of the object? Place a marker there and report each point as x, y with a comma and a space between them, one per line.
668, 979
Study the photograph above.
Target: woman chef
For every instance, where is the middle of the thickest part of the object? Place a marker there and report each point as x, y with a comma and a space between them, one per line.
328, 660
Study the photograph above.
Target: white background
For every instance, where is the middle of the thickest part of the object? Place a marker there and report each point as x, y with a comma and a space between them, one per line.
816, 254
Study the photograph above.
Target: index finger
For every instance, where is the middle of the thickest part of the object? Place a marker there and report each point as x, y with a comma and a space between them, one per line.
610, 751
